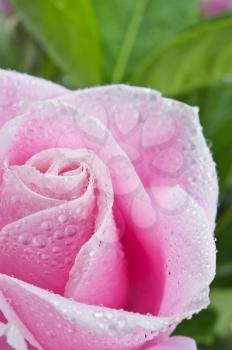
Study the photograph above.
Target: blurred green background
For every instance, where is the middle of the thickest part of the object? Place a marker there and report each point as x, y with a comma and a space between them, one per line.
167, 45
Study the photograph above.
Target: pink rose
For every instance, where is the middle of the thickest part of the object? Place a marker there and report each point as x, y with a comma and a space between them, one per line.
6, 7
215, 7
107, 200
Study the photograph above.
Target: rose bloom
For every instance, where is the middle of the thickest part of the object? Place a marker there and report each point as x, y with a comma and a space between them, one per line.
215, 7
107, 200
5, 8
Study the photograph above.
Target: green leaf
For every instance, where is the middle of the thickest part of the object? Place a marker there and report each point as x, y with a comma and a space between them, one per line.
195, 58
224, 244
132, 29
68, 30
19, 52
221, 301
219, 345
201, 327
10, 55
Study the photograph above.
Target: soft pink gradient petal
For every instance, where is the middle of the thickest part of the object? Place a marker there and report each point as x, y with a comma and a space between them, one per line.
162, 137
102, 264
158, 277
215, 7
47, 242
176, 343
41, 247
10, 338
2, 318
56, 174
48, 236
19, 89
164, 222
189, 251
80, 131
56, 321
16, 198
54, 234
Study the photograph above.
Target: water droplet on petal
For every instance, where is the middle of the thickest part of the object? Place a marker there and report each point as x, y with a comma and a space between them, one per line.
58, 234
70, 230
24, 238
44, 257
46, 225
39, 241
56, 250
62, 218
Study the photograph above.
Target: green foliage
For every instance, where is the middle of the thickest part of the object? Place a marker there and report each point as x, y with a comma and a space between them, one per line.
201, 327
68, 31
19, 52
222, 304
131, 30
194, 58
95, 40
213, 323
224, 246
10, 55
218, 345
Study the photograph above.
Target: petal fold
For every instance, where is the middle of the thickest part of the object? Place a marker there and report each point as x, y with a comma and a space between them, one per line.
10, 338
176, 343
161, 136
43, 315
18, 90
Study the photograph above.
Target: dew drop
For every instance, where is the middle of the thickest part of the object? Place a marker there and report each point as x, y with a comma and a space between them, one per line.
27, 251
24, 238
44, 257
62, 218
121, 323
58, 235
46, 225
70, 230
39, 241
56, 250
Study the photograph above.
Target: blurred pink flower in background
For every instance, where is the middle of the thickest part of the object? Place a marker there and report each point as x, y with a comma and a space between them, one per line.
5, 7
215, 7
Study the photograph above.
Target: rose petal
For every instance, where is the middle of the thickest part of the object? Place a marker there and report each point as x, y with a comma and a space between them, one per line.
43, 315
161, 136
54, 243
170, 150
10, 314
17, 200
99, 275
70, 129
149, 280
188, 248
2, 318
10, 338
55, 183
46, 243
176, 343
18, 90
